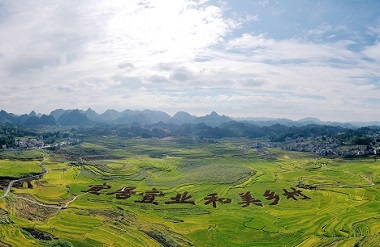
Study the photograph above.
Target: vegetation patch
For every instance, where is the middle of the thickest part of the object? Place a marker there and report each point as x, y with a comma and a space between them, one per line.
40, 235
16, 168
27, 209
31, 154
4, 217
215, 173
162, 238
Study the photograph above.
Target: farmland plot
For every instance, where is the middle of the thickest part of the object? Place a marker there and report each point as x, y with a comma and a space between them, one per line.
145, 192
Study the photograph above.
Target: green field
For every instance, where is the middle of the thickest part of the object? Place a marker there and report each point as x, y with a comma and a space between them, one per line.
81, 201
19, 168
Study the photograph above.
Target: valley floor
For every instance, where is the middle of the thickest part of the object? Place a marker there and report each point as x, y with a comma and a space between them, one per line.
189, 192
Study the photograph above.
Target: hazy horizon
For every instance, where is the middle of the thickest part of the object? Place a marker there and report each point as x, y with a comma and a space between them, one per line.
256, 118
277, 59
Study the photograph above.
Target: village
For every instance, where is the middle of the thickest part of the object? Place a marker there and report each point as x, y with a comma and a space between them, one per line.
33, 143
332, 146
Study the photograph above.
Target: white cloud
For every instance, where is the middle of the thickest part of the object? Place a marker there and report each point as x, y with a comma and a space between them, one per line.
82, 46
248, 41
373, 52
374, 30
325, 28
263, 48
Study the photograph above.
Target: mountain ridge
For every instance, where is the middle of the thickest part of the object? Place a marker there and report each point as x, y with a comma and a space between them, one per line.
145, 117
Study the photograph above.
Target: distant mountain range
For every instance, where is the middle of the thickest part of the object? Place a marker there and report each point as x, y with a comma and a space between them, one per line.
31, 119
76, 117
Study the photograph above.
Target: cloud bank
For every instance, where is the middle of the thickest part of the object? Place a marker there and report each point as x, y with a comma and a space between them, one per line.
192, 55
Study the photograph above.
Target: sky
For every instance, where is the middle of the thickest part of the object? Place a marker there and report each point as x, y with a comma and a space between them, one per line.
242, 58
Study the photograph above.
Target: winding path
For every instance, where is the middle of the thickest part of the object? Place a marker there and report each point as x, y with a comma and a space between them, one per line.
45, 170
25, 178
47, 205
367, 179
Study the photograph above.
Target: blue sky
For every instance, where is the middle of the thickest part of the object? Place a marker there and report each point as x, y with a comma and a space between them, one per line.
284, 59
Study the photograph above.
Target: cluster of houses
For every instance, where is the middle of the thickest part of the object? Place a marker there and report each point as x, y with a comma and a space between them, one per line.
324, 146
32, 143
331, 147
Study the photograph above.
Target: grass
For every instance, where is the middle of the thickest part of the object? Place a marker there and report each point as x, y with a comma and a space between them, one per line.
30, 154
19, 168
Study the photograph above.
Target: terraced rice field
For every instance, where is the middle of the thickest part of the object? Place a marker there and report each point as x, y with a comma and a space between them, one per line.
19, 168
200, 194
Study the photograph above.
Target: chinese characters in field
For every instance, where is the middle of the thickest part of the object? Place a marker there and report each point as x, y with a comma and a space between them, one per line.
181, 198
213, 199
247, 199
151, 196
95, 189
124, 193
